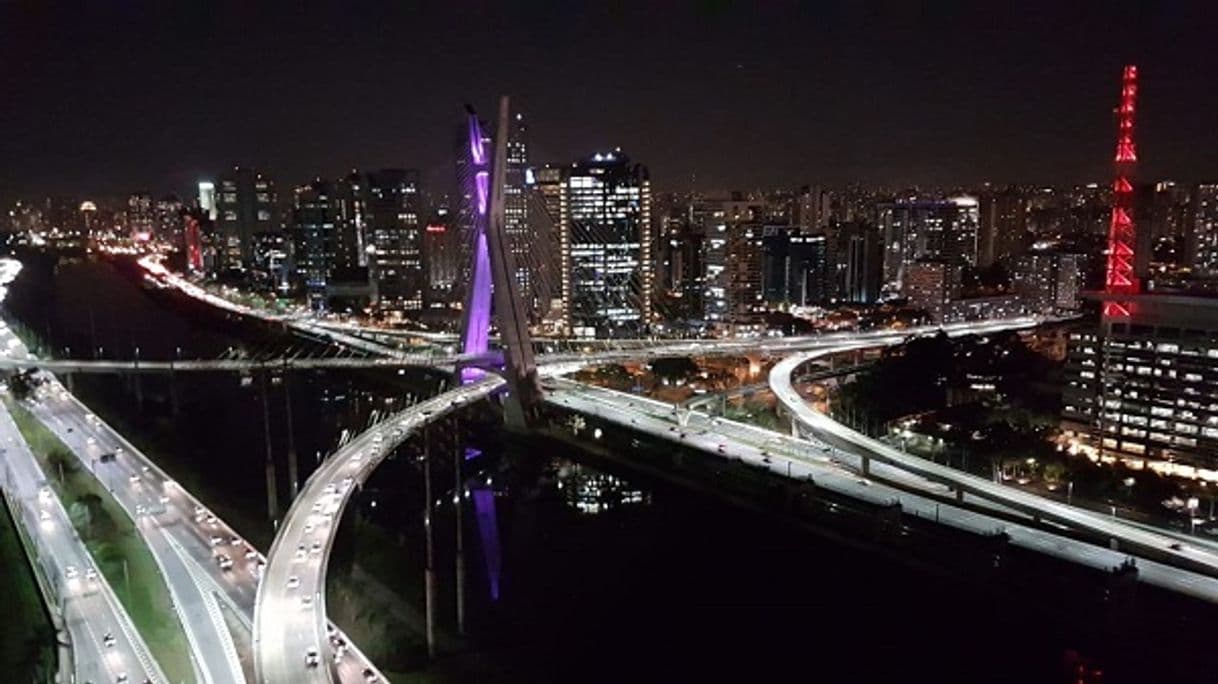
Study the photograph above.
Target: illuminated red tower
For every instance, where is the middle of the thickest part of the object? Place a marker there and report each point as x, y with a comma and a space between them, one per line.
1122, 231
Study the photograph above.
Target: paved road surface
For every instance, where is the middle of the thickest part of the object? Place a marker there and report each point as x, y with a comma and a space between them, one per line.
90, 609
290, 629
1162, 546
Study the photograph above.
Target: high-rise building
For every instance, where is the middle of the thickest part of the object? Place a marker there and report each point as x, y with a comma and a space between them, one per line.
1002, 229
207, 199
1201, 244
743, 273
710, 219
606, 247
141, 217
931, 285
1169, 210
809, 209
394, 239
678, 264
271, 263
927, 229
1034, 278
245, 206
859, 262
316, 238
440, 252
1140, 389
526, 234
170, 212
545, 211
795, 267
350, 199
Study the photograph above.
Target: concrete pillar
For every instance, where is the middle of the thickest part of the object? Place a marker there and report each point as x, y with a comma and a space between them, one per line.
459, 489
272, 496
429, 573
959, 494
865, 465
174, 407
293, 466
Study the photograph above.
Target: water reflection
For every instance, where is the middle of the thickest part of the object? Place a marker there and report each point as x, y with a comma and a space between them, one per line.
593, 492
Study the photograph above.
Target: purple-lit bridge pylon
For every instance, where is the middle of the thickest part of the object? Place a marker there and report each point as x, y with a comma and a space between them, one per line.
492, 286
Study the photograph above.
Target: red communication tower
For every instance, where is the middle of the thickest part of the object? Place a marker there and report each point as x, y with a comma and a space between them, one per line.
1122, 234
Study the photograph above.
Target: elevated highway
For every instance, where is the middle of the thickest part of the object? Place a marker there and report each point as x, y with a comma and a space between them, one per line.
828, 466
1129, 538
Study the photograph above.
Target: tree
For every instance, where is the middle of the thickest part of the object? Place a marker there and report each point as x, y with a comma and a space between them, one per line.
674, 368
60, 461
21, 385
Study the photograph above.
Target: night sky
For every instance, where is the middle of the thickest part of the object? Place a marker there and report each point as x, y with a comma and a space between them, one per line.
118, 96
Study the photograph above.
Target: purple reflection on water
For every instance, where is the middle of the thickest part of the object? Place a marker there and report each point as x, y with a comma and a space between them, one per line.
488, 530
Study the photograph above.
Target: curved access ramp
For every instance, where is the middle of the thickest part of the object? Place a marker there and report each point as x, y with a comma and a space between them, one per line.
1159, 546
290, 609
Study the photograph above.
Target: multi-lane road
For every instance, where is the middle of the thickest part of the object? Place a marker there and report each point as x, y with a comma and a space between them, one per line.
293, 642
105, 646
179, 543
1144, 541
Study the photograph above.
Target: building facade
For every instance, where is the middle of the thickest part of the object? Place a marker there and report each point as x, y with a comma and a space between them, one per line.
931, 285
315, 237
245, 206
1201, 245
394, 240
1049, 282
795, 269
141, 216
605, 247
1145, 389
915, 229
858, 262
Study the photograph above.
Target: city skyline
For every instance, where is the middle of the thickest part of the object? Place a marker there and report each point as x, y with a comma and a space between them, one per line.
357, 343
762, 97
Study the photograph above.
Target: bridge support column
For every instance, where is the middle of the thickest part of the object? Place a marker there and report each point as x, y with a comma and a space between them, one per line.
429, 573
293, 466
959, 494
459, 503
865, 465
71, 378
272, 496
493, 275
173, 393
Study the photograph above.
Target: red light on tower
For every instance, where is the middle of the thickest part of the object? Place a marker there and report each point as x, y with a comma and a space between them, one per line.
1122, 234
